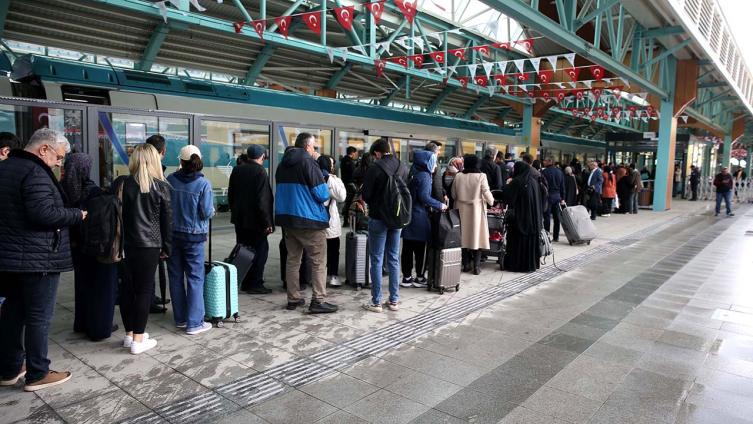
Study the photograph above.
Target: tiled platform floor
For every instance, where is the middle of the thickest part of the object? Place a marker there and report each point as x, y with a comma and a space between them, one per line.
626, 338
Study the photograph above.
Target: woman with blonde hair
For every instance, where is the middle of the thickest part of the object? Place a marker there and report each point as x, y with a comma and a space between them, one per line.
147, 235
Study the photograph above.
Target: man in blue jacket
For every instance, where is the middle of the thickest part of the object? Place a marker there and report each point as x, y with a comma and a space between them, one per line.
556, 182
595, 181
300, 211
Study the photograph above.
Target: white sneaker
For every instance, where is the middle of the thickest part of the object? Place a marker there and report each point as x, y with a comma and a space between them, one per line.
335, 281
609, 214
204, 327
372, 307
182, 326
407, 282
127, 340
146, 344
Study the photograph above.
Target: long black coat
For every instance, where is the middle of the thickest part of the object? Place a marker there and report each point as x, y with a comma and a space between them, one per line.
34, 219
250, 197
493, 173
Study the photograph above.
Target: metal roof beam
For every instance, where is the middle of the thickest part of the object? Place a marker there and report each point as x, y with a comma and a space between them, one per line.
474, 107
717, 97
663, 32
400, 84
526, 16
567, 126
439, 99
596, 13
504, 113
713, 84
705, 74
667, 53
698, 116
264, 55
338, 76
153, 46
549, 123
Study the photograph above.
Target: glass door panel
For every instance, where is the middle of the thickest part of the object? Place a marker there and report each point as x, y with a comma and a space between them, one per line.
361, 142
288, 134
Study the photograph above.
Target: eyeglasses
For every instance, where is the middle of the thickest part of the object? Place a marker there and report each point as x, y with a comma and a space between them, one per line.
59, 157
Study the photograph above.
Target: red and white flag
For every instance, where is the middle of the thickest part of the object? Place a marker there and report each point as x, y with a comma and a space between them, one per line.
418, 59
459, 53
616, 91
579, 93
481, 80
597, 92
345, 16
597, 71
545, 76
593, 118
573, 73
283, 24
482, 49
463, 81
560, 94
408, 7
586, 110
575, 111
649, 110
438, 56
505, 45
402, 60
376, 8
545, 95
238, 26
380, 64
521, 76
500, 80
527, 44
312, 19
259, 27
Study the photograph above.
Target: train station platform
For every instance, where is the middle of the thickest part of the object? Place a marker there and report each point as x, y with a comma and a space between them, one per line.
651, 323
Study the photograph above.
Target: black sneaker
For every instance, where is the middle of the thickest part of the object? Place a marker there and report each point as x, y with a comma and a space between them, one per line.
158, 299
258, 290
303, 287
730, 214
293, 305
156, 308
322, 307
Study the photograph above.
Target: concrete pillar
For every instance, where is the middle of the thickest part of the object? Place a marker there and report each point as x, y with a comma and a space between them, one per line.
727, 151
665, 157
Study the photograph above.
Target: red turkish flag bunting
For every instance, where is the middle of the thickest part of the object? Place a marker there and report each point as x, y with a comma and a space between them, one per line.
408, 7
463, 80
482, 49
586, 110
259, 27
459, 53
616, 110
444, 81
438, 56
599, 111
380, 65
575, 112
527, 44
418, 59
500, 80
505, 45
238, 27
593, 118
597, 71
531, 94
573, 73
649, 109
283, 24
402, 60
376, 8
579, 93
632, 109
545, 95
521, 76
597, 92
560, 94
345, 16
545, 76
481, 80
616, 91
312, 20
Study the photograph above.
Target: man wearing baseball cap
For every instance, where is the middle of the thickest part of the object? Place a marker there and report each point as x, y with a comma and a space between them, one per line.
252, 212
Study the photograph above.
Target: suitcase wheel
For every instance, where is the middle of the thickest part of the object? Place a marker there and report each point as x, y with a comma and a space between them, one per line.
457, 287
588, 243
429, 287
441, 290
359, 287
237, 318
571, 243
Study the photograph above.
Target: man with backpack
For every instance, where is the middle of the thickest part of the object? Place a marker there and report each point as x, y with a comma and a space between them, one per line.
300, 211
386, 192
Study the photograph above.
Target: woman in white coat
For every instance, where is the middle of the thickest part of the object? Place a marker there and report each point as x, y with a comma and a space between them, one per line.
337, 193
471, 193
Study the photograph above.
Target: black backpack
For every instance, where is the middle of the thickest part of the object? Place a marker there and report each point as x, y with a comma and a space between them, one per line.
102, 228
395, 206
544, 189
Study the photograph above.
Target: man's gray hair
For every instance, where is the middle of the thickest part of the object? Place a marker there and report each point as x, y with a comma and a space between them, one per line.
550, 159
48, 136
491, 151
432, 147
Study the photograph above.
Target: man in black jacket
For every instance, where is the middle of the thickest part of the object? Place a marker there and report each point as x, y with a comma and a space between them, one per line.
252, 212
695, 176
492, 171
35, 249
347, 166
556, 185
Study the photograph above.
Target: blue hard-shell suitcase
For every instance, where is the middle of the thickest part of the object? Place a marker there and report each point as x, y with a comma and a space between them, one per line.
220, 289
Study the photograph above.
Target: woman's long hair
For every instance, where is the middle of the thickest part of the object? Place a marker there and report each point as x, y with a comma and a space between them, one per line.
145, 166
608, 174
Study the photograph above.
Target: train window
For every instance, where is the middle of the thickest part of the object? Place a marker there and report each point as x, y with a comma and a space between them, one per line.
221, 145
361, 142
23, 121
91, 95
120, 133
322, 139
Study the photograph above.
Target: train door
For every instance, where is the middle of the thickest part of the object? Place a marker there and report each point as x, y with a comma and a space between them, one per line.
470, 147
115, 132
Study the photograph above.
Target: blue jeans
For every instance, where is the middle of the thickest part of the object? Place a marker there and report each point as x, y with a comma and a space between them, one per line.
27, 315
727, 200
188, 300
383, 239
633, 206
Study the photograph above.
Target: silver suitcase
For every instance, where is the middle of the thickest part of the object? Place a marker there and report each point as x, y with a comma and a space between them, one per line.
444, 269
577, 224
357, 258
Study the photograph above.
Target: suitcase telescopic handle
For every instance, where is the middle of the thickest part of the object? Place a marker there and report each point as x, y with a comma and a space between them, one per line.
210, 240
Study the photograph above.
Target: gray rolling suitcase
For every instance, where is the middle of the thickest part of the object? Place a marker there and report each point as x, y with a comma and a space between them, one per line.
444, 268
357, 257
577, 224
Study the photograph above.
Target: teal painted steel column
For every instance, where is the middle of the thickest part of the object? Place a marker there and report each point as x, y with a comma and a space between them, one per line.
4, 6
665, 159
747, 162
527, 123
727, 150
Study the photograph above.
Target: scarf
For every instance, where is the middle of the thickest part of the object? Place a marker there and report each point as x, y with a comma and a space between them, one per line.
76, 182
471, 164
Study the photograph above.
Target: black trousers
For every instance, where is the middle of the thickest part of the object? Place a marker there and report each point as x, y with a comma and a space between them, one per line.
333, 256
606, 205
552, 210
472, 255
137, 279
94, 287
258, 242
413, 249
694, 189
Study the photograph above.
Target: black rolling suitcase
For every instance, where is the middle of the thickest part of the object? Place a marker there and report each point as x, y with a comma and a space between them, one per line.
356, 257
243, 258
444, 255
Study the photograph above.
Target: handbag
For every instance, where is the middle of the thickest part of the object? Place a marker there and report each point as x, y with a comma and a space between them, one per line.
545, 245
445, 229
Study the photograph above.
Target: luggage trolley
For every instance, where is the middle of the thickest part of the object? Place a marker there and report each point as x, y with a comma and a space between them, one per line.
495, 218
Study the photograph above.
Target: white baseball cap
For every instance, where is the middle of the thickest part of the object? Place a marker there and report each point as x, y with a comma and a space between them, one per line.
187, 151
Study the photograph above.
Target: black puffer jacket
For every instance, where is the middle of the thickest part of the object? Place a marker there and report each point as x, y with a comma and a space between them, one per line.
33, 218
147, 217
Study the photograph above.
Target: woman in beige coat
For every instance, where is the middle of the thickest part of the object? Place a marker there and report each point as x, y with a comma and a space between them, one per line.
471, 193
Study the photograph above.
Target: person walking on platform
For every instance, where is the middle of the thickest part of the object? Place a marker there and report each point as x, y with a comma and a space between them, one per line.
636, 184
252, 212
348, 165
594, 187
333, 233
557, 193
608, 192
95, 283
35, 249
571, 187
299, 209
524, 221
490, 168
723, 184
472, 194
384, 242
148, 228
695, 178
193, 207
623, 189
416, 234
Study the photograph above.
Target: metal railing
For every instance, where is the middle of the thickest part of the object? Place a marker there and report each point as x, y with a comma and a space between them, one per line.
742, 189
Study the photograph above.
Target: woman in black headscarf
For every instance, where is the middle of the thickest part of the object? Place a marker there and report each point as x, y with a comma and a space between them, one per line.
95, 283
524, 226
